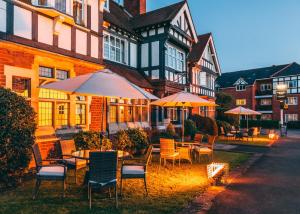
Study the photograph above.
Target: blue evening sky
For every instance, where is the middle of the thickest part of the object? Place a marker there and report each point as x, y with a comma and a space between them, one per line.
247, 33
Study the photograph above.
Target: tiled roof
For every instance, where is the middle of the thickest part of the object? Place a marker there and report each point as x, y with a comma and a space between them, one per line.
161, 15
228, 79
199, 47
292, 69
131, 75
118, 17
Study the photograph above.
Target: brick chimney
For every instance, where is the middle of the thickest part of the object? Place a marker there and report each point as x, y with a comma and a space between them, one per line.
135, 7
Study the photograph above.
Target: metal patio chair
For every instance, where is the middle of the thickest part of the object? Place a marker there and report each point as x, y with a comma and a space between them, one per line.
136, 168
47, 172
103, 173
67, 148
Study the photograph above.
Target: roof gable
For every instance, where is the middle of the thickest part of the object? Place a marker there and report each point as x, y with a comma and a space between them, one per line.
290, 70
240, 81
204, 45
184, 21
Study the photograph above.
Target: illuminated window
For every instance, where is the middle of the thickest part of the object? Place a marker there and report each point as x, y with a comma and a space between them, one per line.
46, 72
21, 86
80, 114
121, 114
130, 114
62, 114
172, 114
292, 101
45, 113
291, 117
137, 114
144, 114
265, 102
52, 94
241, 102
113, 114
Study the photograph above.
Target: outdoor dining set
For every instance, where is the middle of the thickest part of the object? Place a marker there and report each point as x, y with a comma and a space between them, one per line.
102, 167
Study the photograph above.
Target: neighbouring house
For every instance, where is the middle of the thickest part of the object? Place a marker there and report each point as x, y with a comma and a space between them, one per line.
46, 41
256, 89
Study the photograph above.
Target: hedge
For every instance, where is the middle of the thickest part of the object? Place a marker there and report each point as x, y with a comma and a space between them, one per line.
293, 125
266, 124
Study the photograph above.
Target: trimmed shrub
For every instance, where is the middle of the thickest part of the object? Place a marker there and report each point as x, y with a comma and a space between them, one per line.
224, 124
138, 138
17, 128
293, 125
190, 128
170, 132
123, 141
89, 140
205, 125
266, 124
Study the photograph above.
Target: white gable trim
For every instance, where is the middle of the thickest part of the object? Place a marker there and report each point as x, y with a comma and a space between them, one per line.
214, 54
240, 81
186, 9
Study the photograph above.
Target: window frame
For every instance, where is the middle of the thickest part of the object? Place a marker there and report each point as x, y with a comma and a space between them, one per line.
174, 56
238, 87
111, 50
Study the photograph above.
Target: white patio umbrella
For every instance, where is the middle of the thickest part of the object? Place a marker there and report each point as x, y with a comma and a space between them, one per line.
242, 111
103, 83
183, 99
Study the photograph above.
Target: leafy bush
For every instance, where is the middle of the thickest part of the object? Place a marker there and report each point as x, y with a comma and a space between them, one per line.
293, 125
267, 124
138, 138
224, 124
190, 128
17, 128
123, 141
85, 140
206, 125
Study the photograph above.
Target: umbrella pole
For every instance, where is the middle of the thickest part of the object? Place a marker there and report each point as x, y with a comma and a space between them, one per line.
182, 137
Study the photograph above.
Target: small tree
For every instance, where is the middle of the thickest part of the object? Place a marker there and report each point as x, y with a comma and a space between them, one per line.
17, 128
225, 102
206, 125
190, 128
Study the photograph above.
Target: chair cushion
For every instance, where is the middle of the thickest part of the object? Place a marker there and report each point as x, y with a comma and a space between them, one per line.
56, 171
203, 149
156, 150
163, 155
72, 161
133, 170
103, 184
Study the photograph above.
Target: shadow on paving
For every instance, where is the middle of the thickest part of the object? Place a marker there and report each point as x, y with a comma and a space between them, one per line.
272, 185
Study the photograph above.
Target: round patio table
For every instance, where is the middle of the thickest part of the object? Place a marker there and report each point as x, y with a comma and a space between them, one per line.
85, 155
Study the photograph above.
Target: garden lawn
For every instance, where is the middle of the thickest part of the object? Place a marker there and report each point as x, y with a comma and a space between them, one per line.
170, 190
258, 141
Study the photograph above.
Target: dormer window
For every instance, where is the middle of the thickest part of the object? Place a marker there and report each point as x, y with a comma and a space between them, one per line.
240, 87
106, 5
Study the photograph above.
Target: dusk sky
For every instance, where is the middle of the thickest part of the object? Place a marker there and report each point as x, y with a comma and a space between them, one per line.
247, 34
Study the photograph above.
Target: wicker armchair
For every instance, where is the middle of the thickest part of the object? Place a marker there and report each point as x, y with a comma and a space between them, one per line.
136, 168
167, 151
206, 149
103, 172
47, 172
67, 148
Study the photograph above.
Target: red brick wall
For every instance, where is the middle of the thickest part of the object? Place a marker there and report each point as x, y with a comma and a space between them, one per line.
13, 58
98, 114
292, 109
248, 94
